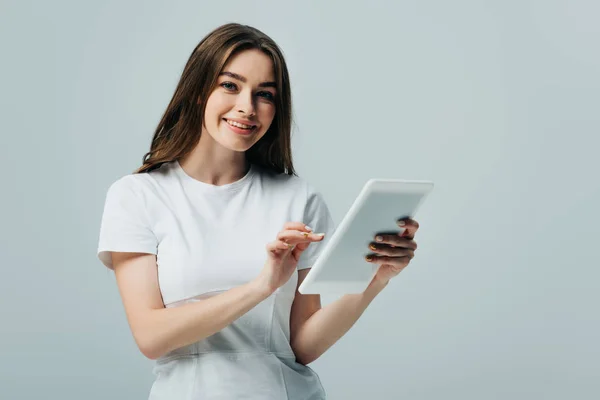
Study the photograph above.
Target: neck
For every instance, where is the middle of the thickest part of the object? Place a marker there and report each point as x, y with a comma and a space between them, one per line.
211, 163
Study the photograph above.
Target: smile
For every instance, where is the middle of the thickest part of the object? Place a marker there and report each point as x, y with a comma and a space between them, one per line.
239, 125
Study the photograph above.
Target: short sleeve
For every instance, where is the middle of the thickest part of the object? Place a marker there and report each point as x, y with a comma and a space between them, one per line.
318, 217
125, 226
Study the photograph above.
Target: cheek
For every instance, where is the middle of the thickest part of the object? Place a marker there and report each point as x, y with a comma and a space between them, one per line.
267, 113
216, 106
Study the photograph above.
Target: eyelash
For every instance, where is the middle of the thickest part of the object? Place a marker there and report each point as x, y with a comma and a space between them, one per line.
269, 95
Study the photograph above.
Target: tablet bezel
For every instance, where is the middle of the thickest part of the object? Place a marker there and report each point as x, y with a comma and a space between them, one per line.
312, 284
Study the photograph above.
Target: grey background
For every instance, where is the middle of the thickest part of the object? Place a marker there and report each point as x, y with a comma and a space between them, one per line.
497, 102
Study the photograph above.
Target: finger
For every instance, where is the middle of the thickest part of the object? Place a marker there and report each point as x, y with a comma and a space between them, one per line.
295, 237
395, 261
386, 250
298, 226
278, 245
302, 246
409, 225
299, 249
397, 241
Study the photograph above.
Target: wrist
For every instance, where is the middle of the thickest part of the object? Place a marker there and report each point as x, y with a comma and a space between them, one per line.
377, 286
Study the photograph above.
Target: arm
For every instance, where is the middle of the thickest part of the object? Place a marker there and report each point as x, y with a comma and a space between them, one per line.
158, 330
313, 330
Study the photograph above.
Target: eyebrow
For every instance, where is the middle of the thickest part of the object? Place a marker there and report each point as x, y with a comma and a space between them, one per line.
241, 78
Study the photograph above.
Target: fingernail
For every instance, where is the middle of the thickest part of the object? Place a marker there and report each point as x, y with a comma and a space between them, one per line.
320, 234
379, 238
372, 247
308, 228
401, 223
369, 258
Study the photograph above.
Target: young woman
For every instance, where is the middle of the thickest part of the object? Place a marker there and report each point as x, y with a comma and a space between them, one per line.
186, 236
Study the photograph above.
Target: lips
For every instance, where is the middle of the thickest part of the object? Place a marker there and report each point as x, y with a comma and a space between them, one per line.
240, 128
242, 124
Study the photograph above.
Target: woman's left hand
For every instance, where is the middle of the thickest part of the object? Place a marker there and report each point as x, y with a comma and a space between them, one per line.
393, 252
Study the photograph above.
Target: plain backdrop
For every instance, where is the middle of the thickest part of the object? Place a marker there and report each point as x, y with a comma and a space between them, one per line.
497, 102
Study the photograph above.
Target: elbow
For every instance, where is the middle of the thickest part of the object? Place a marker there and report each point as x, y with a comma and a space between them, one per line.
149, 352
302, 361
303, 357
148, 346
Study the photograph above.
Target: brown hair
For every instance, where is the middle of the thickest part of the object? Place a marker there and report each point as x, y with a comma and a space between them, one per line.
180, 127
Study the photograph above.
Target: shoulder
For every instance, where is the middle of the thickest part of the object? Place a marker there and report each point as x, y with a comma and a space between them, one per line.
127, 185
291, 184
139, 184
297, 193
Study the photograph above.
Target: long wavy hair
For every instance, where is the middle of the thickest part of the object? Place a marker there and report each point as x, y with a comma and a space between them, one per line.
179, 130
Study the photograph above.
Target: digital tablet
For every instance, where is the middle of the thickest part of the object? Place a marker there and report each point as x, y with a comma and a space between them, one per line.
341, 267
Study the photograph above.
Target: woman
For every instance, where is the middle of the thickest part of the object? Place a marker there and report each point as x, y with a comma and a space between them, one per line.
186, 235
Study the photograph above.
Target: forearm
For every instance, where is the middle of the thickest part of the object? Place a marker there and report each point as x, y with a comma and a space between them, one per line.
326, 326
166, 329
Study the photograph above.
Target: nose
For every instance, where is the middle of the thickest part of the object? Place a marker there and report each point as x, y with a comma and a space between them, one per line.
245, 104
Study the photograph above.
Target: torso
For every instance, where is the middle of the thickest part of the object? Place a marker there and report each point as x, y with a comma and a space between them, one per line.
211, 239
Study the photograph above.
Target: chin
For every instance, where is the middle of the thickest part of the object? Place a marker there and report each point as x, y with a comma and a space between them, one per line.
238, 142
239, 148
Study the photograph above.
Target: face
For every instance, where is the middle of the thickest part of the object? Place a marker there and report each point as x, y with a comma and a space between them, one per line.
241, 108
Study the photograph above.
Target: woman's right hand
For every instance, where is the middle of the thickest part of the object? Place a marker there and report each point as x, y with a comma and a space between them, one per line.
283, 254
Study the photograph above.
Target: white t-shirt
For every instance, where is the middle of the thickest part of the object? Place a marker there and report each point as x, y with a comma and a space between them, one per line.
208, 239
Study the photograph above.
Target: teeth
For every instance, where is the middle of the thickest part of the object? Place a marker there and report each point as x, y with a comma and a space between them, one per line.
238, 125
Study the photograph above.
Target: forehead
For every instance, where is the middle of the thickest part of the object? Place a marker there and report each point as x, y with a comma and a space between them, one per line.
252, 64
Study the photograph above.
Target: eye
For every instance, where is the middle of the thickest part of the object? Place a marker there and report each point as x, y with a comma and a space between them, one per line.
267, 95
229, 86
